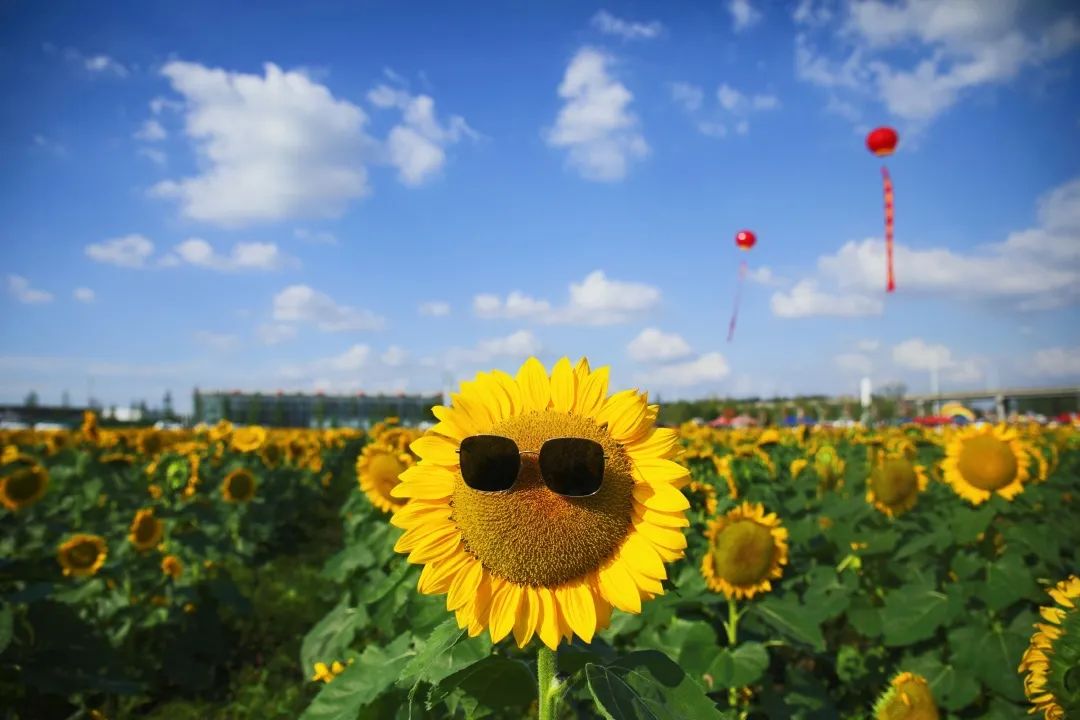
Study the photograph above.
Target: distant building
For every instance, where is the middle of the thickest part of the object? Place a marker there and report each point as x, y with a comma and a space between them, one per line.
302, 410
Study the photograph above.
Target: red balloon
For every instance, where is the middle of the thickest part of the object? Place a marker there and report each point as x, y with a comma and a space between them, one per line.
882, 141
745, 239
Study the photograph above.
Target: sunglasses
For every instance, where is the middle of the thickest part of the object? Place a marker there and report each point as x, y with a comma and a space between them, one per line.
569, 466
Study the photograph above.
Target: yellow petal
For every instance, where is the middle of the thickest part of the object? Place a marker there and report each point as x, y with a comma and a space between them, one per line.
470, 404
504, 608
592, 392
666, 537
512, 390
419, 512
658, 470
437, 576
581, 371
657, 517
427, 482
577, 603
660, 497
528, 616
500, 405
640, 555
435, 546
463, 588
659, 443
562, 386
548, 623
535, 386
436, 450
619, 588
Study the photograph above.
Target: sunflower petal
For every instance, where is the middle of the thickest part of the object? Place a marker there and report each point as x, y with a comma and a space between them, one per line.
591, 393
576, 602
665, 537
619, 587
562, 386
528, 616
535, 386
504, 610
660, 497
436, 450
658, 470
463, 588
548, 622
640, 555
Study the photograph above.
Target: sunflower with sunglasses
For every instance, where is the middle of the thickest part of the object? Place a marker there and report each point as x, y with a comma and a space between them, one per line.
540, 503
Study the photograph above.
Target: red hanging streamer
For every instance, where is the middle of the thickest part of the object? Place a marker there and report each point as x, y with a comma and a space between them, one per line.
738, 295
890, 279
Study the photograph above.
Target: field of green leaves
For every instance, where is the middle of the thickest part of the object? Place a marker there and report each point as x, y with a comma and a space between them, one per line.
244, 572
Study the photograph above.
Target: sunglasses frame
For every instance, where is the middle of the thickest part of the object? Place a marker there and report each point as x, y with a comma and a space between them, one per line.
604, 455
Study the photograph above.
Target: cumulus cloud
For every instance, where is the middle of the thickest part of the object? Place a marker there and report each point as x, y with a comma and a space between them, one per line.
805, 299
303, 304
1056, 362
151, 131
434, 308
275, 333
608, 24
515, 346
270, 146
416, 145
244, 256
853, 362
957, 46
917, 354
316, 237
689, 97
104, 64
394, 356
653, 345
596, 300
595, 125
730, 113
128, 251
20, 289
743, 14
84, 295
708, 368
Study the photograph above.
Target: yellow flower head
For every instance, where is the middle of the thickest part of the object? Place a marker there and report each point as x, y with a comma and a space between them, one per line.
23, 481
82, 555
908, 697
248, 439
1053, 656
526, 559
984, 461
146, 530
238, 486
894, 484
747, 550
377, 469
172, 566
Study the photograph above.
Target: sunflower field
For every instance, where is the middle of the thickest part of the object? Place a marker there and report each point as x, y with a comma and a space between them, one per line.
544, 550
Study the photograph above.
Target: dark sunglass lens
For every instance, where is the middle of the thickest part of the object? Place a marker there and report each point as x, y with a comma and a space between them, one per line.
573, 467
489, 463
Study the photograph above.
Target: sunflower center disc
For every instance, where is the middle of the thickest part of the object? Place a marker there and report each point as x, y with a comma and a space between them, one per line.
894, 481
530, 535
743, 553
987, 463
84, 554
383, 469
23, 484
145, 530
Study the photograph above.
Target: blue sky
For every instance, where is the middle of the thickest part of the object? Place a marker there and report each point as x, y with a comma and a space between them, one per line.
363, 197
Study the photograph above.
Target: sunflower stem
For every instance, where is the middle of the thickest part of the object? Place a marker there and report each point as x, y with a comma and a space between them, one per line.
732, 627
548, 694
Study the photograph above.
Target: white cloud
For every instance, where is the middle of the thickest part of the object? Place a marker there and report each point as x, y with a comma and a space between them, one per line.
270, 147
1056, 362
19, 288
520, 344
275, 333
806, 300
220, 342
743, 14
653, 345
957, 46
1038, 268
84, 295
244, 255
300, 303
434, 308
855, 363
416, 146
708, 368
104, 64
690, 97
128, 251
608, 24
151, 131
317, 237
764, 276
595, 124
154, 155
394, 356
355, 358
868, 346
917, 354
596, 300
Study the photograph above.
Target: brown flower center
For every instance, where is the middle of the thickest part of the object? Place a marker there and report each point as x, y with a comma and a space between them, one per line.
742, 553
987, 462
894, 481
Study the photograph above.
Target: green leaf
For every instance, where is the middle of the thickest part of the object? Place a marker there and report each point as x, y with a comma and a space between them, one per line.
368, 677
445, 652
647, 685
991, 654
330, 637
792, 619
1007, 581
692, 643
864, 617
828, 594
912, 614
967, 523
495, 682
739, 667
6, 626
953, 688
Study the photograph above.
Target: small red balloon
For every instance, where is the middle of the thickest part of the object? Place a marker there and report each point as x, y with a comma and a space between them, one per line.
745, 239
882, 141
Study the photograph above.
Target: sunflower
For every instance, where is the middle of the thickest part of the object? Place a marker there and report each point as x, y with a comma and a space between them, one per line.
272, 453
117, 459
377, 470
797, 466
238, 486
527, 559
747, 549
1053, 656
248, 439
82, 555
146, 530
829, 468
894, 484
980, 462
171, 566
725, 470
908, 697
703, 494
23, 483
